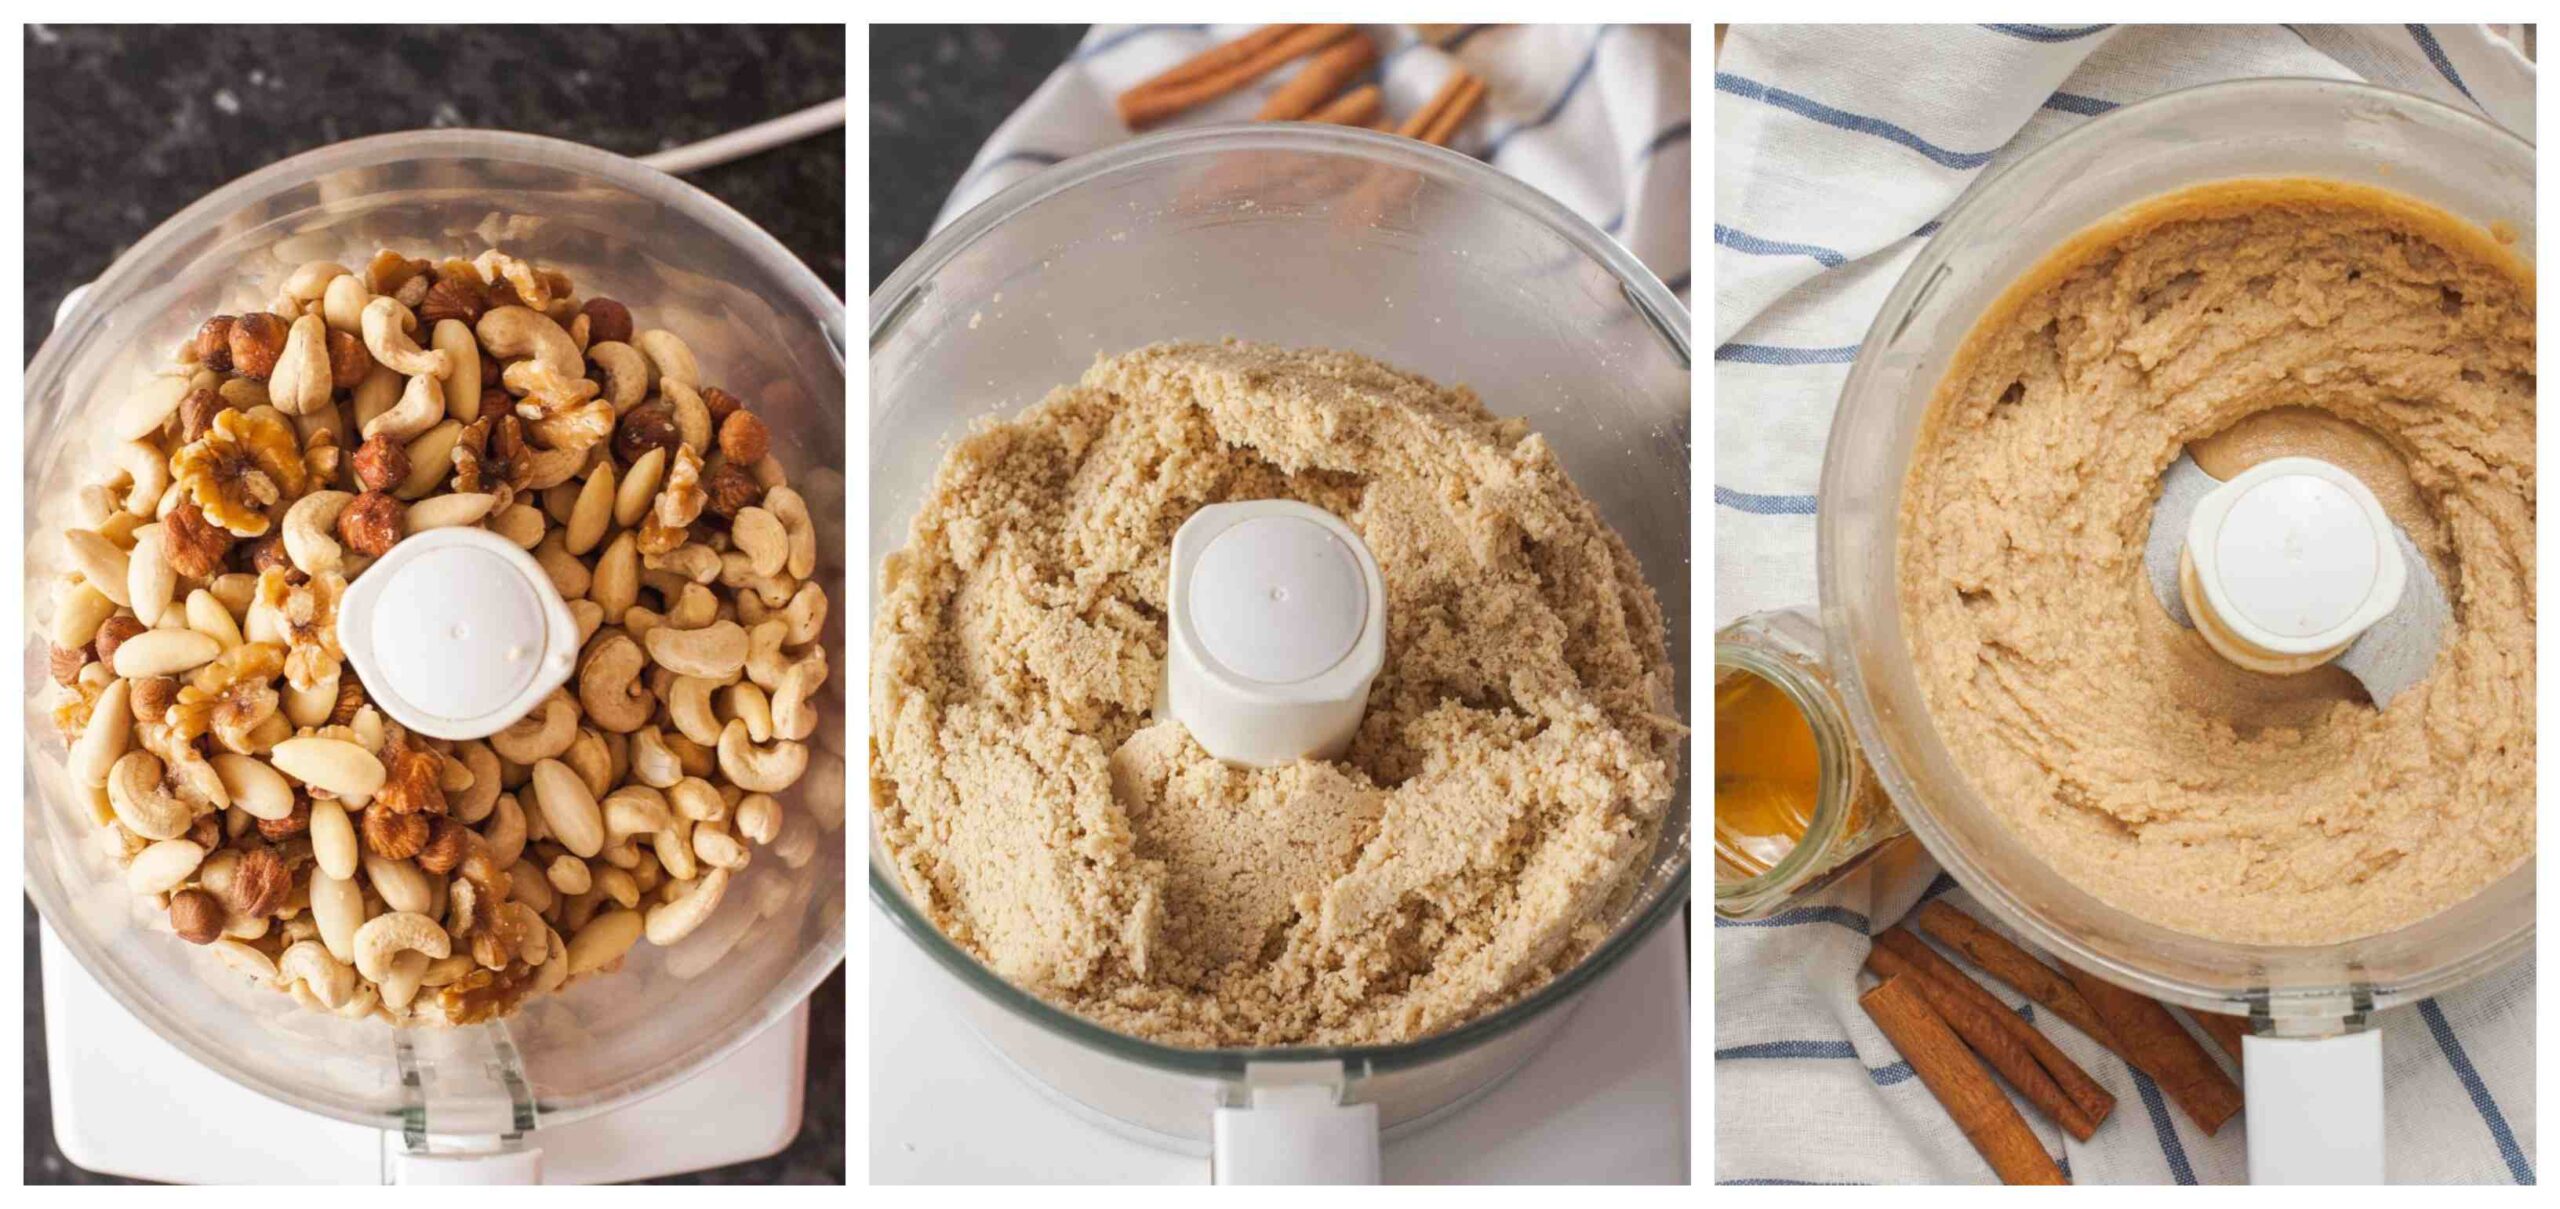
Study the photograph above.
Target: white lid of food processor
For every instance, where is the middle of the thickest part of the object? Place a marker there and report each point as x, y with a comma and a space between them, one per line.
2290, 562
457, 632
1278, 627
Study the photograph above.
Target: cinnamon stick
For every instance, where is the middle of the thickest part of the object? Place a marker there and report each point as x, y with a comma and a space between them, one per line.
2226, 1031
1439, 118
1323, 76
1358, 107
1996, 1046
1901, 1010
2004, 960
2157, 1046
1223, 69
2094, 1100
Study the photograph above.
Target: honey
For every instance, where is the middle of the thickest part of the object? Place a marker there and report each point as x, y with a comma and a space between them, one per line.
1768, 775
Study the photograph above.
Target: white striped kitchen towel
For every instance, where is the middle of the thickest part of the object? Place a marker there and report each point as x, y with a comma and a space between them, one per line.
1596, 116
1837, 149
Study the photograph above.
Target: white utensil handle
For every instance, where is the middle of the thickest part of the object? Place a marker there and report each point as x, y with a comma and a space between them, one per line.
2315, 1108
1295, 1135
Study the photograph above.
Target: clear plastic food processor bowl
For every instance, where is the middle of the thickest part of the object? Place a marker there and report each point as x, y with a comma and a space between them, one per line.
2259, 128
763, 326
1298, 235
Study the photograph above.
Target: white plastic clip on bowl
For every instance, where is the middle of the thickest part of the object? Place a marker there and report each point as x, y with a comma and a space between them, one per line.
457, 632
1279, 624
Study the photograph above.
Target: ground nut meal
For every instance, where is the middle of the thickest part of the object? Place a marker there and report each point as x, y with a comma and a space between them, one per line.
238, 771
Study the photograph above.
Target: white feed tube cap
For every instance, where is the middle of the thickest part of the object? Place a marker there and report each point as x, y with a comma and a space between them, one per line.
1279, 624
457, 633
2287, 564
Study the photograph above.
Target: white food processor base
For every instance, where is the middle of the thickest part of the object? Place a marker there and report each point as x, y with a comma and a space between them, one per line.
1606, 1102
127, 1103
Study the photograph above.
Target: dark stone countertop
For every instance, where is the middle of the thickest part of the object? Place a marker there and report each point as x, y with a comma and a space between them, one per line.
126, 126
937, 92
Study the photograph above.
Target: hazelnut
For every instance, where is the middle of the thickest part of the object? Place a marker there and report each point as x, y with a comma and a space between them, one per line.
257, 339
290, 825
113, 633
196, 916
152, 697
743, 437
607, 320
260, 883
381, 463
720, 403
394, 836
728, 487
649, 426
371, 523
197, 410
348, 361
195, 545
446, 843
453, 297
213, 344
266, 553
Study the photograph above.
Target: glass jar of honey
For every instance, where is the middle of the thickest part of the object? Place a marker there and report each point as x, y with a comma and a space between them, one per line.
1796, 807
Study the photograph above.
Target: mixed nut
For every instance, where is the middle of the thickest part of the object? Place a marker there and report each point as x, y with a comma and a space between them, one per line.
238, 770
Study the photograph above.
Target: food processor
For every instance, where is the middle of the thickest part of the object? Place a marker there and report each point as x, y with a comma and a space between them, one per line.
687, 1056
2313, 1065
1307, 236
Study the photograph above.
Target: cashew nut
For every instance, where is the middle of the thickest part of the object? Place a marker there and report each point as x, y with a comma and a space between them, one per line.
610, 688
714, 652
692, 415
540, 735
652, 761
307, 528
142, 801
452, 337
472, 803
509, 332
697, 801
567, 573
670, 358
301, 381
310, 963
568, 807
387, 327
680, 914
795, 715
689, 706
793, 511
421, 407
592, 760
143, 463
310, 280
334, 766
626, 374
393, 933
767, 768
759, 817
748, 704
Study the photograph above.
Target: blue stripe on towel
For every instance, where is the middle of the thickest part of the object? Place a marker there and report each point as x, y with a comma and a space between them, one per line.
1775, 354
2071, 102
1806, 107
1671, 136
2048, 33
2156, 1106
1581, 76
2434, 51
1892, 1073
2459, 1059
1789, 1049
1764, 505
1756, 246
